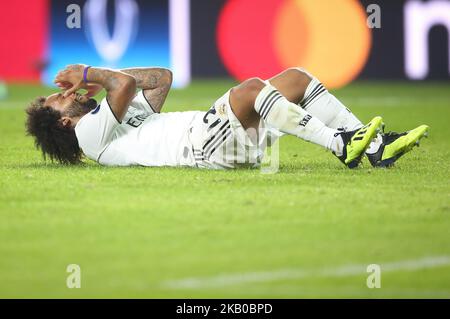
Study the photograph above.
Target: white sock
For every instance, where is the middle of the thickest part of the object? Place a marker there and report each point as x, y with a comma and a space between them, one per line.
290, 118
327, 108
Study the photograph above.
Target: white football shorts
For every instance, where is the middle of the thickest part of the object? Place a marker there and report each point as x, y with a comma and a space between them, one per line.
219, 141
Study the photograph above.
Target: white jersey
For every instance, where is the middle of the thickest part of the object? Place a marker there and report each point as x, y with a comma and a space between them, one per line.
142, 138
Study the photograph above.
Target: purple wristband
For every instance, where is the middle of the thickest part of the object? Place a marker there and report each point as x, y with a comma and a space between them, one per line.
85, 80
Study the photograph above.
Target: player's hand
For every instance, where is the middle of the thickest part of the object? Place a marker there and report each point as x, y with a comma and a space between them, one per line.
92, 88
71, 78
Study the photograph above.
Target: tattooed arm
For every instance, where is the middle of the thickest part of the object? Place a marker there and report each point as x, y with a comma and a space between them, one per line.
155, 83
120, 87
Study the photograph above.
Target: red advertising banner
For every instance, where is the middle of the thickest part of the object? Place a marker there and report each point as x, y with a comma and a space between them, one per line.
23, 33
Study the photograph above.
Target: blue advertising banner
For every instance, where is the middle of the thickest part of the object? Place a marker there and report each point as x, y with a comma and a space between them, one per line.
117, 34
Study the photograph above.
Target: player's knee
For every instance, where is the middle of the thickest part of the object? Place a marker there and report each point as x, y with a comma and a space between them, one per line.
299, 75
252, 87
248, 90
254, 84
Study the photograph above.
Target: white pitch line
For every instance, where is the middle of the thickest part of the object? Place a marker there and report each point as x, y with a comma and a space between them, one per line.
285, 274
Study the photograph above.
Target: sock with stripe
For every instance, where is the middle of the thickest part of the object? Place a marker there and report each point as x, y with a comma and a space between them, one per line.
290, 118
327, 108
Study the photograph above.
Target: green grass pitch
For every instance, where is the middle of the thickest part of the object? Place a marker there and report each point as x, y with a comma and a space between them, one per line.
307, 231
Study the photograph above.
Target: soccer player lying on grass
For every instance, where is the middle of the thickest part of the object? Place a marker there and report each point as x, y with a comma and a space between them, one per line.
127, 128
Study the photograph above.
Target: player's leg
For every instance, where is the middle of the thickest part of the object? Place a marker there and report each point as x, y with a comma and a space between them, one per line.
300, 87
249, 110
304, 89
292, 83
242, 99
255, 99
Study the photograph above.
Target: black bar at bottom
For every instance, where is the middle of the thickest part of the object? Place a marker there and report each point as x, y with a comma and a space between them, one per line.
224, 308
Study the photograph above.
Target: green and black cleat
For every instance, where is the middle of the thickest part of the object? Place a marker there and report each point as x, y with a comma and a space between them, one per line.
356, 142
395, 145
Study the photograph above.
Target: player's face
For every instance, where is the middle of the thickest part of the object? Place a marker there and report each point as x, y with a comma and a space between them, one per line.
72, 105
58, 102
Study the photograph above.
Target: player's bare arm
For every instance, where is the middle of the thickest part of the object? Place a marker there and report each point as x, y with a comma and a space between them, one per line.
120, 87
155, 83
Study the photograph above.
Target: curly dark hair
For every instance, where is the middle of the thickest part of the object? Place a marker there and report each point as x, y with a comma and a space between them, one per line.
56, 141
